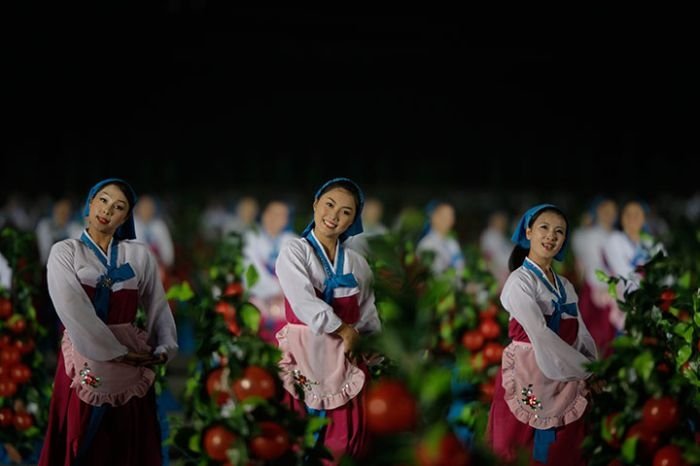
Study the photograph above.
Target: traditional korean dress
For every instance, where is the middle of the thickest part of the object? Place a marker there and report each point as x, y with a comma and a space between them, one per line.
540, 394
103, 412
319, 294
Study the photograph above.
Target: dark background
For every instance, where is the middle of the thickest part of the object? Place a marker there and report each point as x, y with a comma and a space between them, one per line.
198, 96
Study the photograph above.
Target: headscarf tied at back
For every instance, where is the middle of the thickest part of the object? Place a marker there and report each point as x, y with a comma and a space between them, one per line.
126, 230
520, 238
356, 226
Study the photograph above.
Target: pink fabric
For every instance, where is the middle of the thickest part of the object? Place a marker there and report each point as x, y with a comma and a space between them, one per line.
557, 403
100, 382
346, 432
128, 435
510, 438
317, 363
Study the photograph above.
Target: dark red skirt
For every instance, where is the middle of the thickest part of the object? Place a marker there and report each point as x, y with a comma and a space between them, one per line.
128, 435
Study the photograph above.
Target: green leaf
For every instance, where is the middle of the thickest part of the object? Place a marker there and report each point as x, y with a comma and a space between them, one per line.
684, 280
644, 365
180, 292
194, 443
629, 449
435, 384
250, 315
601, 276
683, 355
251, 276
684, 330
313, 425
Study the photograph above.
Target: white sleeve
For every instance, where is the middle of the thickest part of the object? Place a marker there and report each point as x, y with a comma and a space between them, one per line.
160, 324
369, 318
294, 275
556, 359
165, 242
89, 334
614, 256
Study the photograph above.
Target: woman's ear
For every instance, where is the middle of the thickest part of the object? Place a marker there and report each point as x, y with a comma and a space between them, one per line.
528, 233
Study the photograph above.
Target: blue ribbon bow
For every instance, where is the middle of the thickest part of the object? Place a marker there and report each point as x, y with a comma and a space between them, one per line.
333, 279
114, 274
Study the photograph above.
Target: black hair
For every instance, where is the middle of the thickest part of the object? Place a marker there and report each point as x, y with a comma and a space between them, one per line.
519, 253
346, 185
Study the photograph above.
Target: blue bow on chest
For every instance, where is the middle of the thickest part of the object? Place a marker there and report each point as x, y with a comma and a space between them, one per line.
103, 288
333, 279
560, 305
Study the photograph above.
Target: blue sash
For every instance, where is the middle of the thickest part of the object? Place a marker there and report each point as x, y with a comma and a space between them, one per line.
545, 437
103, 290
333, 279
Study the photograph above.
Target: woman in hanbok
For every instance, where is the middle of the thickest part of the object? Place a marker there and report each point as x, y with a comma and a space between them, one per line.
103, 407
329, 304
540, 396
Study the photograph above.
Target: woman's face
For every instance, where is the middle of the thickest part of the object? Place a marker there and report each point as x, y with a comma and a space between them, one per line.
109, 209
443, 219
546, 235
334, 212
632, 218
275, 218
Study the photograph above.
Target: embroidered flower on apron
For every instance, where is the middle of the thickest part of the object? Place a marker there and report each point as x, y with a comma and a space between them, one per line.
529, 398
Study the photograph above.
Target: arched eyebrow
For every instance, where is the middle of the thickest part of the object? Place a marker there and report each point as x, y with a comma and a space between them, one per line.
351, 207
105, 193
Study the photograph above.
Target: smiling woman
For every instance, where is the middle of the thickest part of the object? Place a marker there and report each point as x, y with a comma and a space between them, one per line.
103, 398
540, 393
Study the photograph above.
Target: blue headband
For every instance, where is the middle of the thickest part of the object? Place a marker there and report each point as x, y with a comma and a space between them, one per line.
126, 231
356, 226
520, 238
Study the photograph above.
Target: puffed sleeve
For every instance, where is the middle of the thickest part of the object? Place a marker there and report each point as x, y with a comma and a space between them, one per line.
89, 334
369, 318
556, 359
294, 274
160, 324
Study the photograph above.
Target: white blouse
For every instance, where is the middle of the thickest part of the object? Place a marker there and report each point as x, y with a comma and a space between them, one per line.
72, 264
528, 301
301, 273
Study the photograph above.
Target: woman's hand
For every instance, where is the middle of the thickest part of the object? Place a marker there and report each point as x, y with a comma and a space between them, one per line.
349, 335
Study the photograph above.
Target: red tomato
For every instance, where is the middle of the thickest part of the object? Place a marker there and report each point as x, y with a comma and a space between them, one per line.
24, 346
493, 352
20, 373
5, 340
648, 441
489, 312
233, 289
8, 387
217, 386
272, 442
226, 309
447, 451
18, 326
660, 414
22, 420
670, 455
390, 408
5, 308
6, 416
486, 389
218, 439
9, 356
255, 381
668, 295
473, 340
490, 329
